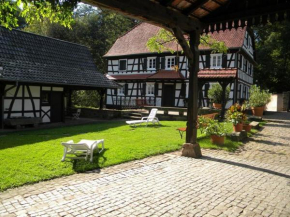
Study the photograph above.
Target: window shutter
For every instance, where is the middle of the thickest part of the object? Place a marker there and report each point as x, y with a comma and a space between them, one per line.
240, 63
126, 89
145, 64
144, 89
156, 89
207, 61
162, 62
224, 61
157, 63
183, 89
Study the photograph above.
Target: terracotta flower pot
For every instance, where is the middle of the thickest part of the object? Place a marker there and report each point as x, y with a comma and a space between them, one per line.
238, 127
247, 127
217, 105
258, 111
219, 140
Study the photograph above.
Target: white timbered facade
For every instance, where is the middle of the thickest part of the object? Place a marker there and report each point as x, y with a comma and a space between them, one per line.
162, 79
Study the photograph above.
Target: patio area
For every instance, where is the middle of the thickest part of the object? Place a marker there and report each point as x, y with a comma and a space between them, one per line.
253, 181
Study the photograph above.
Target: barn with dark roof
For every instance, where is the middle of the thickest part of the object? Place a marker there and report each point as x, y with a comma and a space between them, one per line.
161, 79
37, 74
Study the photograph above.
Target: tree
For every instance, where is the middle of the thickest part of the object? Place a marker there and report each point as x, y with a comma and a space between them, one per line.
273, 56
160, 42
56, 11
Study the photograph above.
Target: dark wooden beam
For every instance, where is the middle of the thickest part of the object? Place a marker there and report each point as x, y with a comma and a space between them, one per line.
194, 6
245, 13
2, 92
150, 12
166, 2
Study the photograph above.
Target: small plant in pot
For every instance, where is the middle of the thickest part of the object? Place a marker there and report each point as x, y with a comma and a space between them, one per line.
246, 126
236, 116
258, 99
215, 94
214, 129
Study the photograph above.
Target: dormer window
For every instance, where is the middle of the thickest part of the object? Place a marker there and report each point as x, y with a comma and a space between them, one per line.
122, 65
151, 63
216, 61
170, 62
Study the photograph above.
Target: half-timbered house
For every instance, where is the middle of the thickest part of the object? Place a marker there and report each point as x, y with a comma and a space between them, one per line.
161, 79
37, 75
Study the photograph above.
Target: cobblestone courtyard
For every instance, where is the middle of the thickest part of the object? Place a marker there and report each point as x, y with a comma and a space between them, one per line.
255, 181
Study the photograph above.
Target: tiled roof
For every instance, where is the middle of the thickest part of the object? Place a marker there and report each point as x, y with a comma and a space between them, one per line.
134, 41
128, 77
27, 57
167, 74
217, 73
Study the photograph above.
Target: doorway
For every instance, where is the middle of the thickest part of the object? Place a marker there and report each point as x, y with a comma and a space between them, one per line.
56, 109
168, 98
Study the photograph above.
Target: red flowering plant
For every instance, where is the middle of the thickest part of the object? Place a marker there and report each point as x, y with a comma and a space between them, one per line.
235, 114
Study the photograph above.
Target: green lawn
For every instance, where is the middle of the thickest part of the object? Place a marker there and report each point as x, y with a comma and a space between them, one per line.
32, 156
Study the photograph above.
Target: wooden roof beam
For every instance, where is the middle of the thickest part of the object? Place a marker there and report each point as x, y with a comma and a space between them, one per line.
150, 12
194, 6
166, 2
249, 13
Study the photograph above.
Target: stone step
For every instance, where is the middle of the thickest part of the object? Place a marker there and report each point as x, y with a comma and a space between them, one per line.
255, 125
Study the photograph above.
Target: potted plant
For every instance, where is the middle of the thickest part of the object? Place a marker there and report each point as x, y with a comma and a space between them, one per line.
236, 116
215, 94
258, 99
246, 126
214, 129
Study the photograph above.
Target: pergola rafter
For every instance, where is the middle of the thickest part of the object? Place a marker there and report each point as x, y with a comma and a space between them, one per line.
194, 18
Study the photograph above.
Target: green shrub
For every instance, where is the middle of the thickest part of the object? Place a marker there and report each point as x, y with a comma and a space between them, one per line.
215, 93
258, 97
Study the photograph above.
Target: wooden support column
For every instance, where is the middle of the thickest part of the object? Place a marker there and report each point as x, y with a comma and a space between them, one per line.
191, 148
69, 102
101, 93
200, 93
2, 90
224, 85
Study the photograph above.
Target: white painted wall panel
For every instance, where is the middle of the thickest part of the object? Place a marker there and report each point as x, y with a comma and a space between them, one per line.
16, 115
10, 92
27, 105
19, 94
46, 88
17, 106
59, 89
7, 103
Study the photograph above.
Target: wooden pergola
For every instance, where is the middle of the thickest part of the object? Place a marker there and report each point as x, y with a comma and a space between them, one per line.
194, 17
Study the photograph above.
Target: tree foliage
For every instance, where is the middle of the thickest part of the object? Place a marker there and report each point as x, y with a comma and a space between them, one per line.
56, 11
273, 56
163, 39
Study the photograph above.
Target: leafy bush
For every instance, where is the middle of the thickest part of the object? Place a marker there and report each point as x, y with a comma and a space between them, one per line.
211, 127
215, 93
258, 97
235, 114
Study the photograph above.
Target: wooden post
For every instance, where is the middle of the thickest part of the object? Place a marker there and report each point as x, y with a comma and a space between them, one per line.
191, 132
101, 93
224, 85
2, 89
69, 102
191, 148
